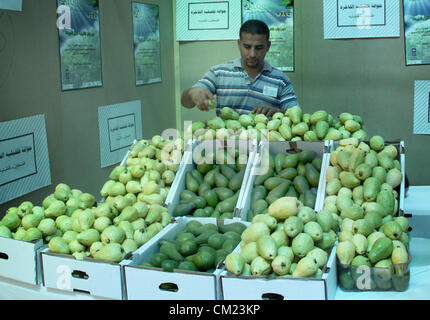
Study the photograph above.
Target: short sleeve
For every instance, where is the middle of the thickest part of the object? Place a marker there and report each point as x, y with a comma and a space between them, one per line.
287, 96
208, 82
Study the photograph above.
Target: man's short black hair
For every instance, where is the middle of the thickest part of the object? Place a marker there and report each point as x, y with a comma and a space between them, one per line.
255, 27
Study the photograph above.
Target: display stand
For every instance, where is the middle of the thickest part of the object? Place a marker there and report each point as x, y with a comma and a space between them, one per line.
416, 204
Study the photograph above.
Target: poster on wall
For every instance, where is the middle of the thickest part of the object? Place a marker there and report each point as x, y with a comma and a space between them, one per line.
146, 39
24, 157
119, 125
417, 31
422, 107
15, 5
208, 20
279, 17
79, 34
345, 19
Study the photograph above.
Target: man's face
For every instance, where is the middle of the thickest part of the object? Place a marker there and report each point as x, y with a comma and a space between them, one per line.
253, 49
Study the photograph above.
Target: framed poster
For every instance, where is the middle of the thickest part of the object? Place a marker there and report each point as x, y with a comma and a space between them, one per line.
279, 17
146, 40
119, 125
417, 31
422, 107
361, 19
208, 20
15, 5
79, 34
24, 157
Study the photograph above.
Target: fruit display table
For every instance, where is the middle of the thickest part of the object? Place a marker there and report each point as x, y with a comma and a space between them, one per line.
419, 286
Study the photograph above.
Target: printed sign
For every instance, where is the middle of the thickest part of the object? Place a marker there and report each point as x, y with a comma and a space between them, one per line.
147, 56
279, 17
119, 125
208, 20
24, 158
15, 5
417, 31
422, 107
361, 19
80, 55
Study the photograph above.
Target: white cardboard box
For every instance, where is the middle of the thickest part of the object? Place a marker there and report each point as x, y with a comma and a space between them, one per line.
188, 162
144, 282
275, 147
400, 146
260, 288
20, 260
92, 276
417, 209
187, 149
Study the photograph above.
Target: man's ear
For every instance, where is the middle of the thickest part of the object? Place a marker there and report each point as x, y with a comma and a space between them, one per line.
268, 45
238, 43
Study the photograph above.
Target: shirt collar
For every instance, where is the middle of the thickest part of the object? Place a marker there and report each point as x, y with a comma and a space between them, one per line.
237, 63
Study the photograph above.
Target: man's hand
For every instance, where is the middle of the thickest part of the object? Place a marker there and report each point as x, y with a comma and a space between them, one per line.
266, 110
198, 97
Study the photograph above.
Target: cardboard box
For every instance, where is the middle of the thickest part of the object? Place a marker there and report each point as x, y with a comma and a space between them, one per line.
260, 288
287, 147
20, 260
364, 278
147, 282
189, 164
417, 210
187, 150
400, 146
95, 277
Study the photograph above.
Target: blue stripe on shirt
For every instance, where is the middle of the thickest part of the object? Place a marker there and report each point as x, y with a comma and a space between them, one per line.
231, 84
247, 94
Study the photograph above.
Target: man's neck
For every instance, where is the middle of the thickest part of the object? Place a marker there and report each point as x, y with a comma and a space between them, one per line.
253, 72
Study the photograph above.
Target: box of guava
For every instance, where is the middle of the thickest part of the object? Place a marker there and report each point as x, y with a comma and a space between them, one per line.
213, 179
269, 286
96, 277
381, 275
287, 168
365, 176
184, 263
20, 260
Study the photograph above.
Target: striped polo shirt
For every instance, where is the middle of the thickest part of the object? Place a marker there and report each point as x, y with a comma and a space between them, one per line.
233, 87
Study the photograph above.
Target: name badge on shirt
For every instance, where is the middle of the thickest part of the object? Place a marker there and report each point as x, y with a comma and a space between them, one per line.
270, 91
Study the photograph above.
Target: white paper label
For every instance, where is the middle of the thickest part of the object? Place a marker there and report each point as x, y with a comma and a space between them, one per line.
270, 91
208, 16
17, 158
119, 125
122, 131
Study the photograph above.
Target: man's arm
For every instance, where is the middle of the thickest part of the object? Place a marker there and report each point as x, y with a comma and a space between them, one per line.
197, 96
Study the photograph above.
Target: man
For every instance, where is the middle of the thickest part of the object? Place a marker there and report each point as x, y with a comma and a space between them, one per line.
247, 84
